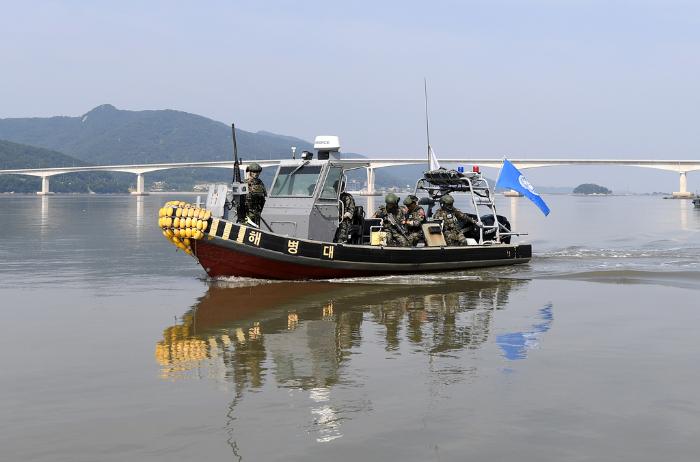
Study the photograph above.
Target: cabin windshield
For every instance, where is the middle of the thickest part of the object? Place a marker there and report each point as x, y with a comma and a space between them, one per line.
296, 181
332, 184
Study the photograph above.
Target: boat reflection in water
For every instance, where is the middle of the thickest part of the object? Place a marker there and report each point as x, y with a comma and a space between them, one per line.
304, 336
233, 329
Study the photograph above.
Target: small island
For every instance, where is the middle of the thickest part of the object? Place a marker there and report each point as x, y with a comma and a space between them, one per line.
590, 188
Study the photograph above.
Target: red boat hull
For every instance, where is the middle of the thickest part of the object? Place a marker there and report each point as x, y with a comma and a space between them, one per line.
219, 261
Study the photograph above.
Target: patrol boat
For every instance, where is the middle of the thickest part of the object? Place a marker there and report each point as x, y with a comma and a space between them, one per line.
297, 238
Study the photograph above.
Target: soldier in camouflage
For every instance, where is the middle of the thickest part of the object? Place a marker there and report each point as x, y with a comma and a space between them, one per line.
348, 212
392, 218
414, 217
255, 199
452, 219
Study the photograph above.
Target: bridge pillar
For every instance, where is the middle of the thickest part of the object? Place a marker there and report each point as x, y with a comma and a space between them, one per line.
139, 186
370, 182
683, 186
44, 186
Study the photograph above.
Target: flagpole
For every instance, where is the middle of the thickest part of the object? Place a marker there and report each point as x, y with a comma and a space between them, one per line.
427, 127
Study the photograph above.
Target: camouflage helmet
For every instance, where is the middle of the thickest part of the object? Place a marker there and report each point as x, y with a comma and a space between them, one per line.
447, 200
410, 199
391, 199
253, 168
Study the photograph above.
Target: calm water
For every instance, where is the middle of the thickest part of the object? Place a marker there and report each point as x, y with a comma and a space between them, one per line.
116, 347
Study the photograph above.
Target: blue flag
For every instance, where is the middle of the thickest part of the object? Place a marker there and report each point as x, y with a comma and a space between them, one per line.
511, 178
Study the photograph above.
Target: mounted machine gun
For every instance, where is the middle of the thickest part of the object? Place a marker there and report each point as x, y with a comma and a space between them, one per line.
235, 199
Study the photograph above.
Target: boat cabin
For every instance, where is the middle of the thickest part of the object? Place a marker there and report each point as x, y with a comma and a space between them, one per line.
302, 200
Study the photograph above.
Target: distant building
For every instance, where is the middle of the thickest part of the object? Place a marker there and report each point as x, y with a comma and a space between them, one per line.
158, 186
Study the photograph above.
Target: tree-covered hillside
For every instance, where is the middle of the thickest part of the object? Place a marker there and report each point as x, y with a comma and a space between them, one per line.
107, 135
14, 156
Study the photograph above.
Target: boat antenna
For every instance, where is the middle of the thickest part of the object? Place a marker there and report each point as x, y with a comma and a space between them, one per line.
427, 124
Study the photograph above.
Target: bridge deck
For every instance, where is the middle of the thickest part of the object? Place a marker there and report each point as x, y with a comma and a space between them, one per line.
678, 166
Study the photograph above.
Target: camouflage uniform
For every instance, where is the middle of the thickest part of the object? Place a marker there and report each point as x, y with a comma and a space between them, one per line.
394, 238
255, 199
414, 221
348, 210
451, 226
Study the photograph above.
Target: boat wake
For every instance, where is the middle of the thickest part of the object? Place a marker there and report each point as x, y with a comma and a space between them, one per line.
680, 279
411, 279
237, 281
585, 252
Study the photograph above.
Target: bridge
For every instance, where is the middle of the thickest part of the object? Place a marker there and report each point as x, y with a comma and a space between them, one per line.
682, 167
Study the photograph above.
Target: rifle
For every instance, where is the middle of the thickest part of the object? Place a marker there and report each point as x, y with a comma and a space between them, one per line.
391, 219
239, 189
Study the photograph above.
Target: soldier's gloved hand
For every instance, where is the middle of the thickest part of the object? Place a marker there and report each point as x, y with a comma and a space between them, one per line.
347, 215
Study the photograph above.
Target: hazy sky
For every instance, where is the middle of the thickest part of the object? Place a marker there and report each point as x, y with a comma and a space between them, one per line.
587, 79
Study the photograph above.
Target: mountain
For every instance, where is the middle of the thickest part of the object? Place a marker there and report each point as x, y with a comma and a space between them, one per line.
107, 135
13, 155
